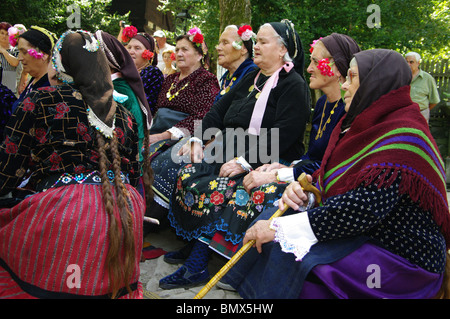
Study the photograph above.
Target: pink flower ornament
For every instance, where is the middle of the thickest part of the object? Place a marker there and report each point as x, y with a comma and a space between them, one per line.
35, 54
313, 44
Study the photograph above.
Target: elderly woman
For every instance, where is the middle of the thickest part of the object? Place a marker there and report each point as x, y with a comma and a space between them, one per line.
143, 52
235, 54
35, 51
190, 91
271, 104
80, 233
383, 229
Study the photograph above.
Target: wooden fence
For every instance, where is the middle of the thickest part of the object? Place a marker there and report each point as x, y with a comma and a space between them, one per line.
440, 116
440, 70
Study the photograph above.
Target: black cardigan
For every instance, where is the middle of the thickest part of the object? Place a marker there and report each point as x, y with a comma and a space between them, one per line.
288, 109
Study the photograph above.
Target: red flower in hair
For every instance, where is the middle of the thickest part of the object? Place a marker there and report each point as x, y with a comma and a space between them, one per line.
128, 33
243, 29
325, 67
245, 32
173, 57
198, 38
147, 55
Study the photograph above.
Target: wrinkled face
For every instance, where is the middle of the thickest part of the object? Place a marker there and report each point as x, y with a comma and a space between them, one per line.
186, 55
30, 64
413, 63
136, 48
318, 80
268, 50
350, 86
227, 54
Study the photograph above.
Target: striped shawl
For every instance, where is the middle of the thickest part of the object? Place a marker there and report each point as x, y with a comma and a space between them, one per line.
388, 139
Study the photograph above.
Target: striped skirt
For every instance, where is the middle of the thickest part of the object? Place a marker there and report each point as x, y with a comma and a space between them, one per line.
54, 245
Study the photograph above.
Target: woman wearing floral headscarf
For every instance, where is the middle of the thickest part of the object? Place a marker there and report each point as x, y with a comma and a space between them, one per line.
79, 235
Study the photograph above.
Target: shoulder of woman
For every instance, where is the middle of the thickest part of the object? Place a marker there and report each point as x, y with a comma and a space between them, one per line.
151, 71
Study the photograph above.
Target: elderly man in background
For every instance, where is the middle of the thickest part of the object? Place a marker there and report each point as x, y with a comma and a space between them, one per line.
161, 39
423, 86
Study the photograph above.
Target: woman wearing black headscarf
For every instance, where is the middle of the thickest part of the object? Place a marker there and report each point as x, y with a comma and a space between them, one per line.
383, 227
80, 233
35, 51
272, 105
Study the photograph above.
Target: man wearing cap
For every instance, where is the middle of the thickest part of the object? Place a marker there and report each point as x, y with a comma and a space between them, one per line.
160, 38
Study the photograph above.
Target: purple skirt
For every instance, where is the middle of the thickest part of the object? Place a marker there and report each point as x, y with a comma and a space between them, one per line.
342, 268
372, 272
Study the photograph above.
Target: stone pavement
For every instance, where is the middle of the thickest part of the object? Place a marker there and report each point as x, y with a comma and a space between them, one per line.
154, 269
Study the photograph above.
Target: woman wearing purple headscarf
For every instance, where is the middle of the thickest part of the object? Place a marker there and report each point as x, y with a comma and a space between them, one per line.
143, 52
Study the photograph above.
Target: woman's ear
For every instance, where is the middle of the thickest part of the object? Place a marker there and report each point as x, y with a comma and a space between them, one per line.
341, 79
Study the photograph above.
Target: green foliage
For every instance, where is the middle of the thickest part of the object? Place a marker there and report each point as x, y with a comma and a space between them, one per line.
203, 14
405, 24
419, 25
53, 14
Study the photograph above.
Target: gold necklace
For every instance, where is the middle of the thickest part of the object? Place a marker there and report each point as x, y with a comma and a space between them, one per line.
225, 89
254, 86
171, 96
322, 129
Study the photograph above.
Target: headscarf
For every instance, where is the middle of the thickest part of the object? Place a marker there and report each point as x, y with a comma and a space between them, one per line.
342, 48
119, 59
77, 56
388, 140
286, 30
380, 71
149, 43
41, 38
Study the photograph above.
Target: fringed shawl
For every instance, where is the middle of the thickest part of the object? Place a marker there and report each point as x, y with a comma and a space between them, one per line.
390, 136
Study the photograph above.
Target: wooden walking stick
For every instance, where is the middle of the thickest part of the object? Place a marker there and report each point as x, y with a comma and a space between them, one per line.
307, 186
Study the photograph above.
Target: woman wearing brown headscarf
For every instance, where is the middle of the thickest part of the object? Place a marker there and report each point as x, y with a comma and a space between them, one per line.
142, 49
80, 233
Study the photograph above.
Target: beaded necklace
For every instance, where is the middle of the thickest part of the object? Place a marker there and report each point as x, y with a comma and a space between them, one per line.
322, 129
171, 96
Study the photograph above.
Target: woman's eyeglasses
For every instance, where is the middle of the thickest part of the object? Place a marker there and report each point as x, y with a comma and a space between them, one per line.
350, 76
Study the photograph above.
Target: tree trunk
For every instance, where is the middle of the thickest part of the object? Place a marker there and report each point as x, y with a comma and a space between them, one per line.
234, 12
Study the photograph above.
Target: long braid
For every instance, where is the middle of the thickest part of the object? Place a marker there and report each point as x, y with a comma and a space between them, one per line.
126, 216
112, 258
